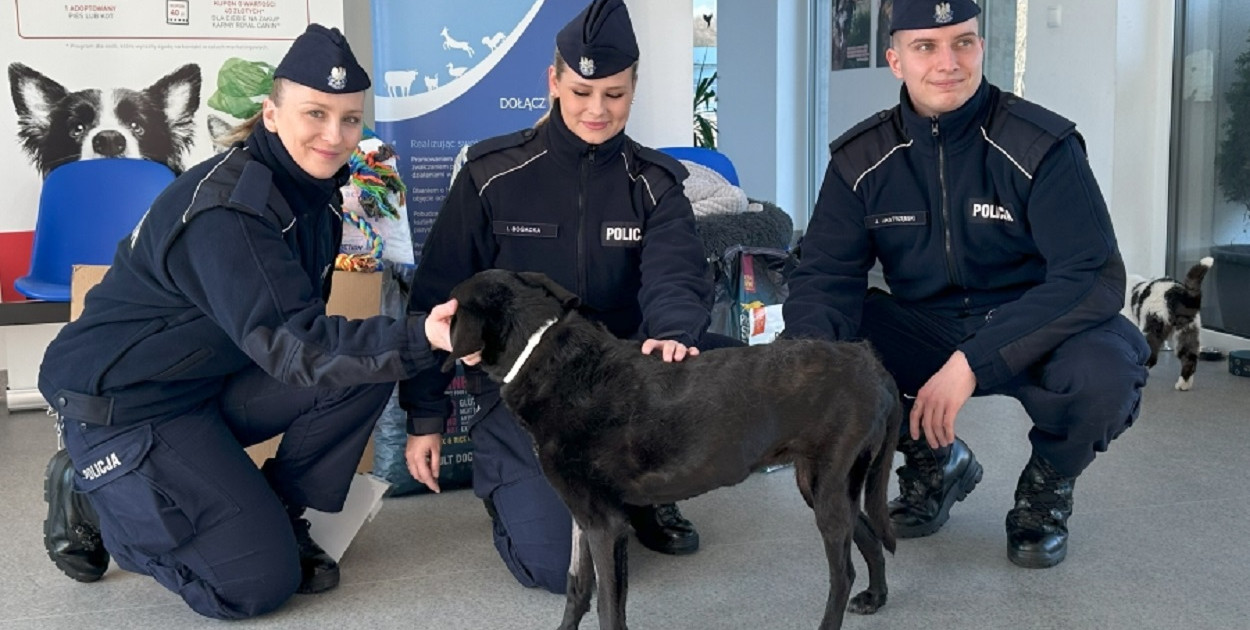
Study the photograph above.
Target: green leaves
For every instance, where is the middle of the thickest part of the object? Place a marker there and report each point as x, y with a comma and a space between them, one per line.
704, 114
241, 86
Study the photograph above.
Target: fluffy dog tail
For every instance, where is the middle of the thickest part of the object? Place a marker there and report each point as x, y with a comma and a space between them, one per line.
1193, 279
876, 486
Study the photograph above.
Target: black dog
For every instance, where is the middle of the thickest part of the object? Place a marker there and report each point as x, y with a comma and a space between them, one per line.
613, 426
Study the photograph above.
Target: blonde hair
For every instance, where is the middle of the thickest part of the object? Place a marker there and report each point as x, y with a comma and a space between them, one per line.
559, 64
241, 131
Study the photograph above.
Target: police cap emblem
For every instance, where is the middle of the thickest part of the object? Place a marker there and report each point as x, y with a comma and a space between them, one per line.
942, 13
338, 78
586, 66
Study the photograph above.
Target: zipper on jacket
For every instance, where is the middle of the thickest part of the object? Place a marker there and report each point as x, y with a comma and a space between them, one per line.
581, 221
951, 272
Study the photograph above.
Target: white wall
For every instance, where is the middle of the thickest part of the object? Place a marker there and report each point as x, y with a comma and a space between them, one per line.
1120, 97
663, 110
763, 98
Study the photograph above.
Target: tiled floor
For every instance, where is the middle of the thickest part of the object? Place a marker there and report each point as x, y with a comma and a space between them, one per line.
1159, 542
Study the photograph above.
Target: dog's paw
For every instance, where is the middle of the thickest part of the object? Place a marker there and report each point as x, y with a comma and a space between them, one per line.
1183, 384
866, 603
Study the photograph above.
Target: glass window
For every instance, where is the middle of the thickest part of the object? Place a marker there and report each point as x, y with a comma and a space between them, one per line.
1210, 205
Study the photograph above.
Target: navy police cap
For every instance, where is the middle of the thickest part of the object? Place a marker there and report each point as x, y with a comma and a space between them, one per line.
321, 59
600, 41
917, 14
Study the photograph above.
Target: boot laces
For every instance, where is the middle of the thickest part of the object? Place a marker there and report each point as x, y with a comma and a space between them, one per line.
87, 536
919, 475
668, 515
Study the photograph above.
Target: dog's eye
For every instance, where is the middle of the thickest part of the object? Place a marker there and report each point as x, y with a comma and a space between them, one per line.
77, 131
137, 129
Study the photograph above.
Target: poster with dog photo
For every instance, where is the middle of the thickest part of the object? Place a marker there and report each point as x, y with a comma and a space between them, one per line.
452, 72
152, 79
852, 33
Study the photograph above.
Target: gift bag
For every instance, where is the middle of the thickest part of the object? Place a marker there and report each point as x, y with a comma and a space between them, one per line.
750, 287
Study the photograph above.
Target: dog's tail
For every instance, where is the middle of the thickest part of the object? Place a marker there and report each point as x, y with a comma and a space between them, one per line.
1193, 279
876, 486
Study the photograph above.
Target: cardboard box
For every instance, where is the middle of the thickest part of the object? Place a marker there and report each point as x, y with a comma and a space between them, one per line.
354, 296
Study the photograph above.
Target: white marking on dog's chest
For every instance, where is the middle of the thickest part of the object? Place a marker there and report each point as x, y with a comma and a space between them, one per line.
528, 350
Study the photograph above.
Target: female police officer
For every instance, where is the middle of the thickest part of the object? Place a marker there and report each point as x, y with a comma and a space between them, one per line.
208, 333
577, 199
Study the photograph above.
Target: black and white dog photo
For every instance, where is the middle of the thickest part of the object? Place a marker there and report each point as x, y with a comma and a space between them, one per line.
1165, 309
612, 426
56, 125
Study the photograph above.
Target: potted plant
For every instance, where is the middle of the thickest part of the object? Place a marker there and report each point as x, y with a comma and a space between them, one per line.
1232, 260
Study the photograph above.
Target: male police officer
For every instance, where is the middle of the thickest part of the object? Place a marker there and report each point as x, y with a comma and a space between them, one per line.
1003, 271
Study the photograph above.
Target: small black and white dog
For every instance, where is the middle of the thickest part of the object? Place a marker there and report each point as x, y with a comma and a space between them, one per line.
56, 125
612, 426
1164, 308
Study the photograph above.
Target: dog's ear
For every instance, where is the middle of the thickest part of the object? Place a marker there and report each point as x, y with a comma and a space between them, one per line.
566, 298
466, 336
178, 95
34, 96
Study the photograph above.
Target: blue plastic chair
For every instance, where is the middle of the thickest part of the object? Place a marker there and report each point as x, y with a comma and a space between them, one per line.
85, 208
710, 158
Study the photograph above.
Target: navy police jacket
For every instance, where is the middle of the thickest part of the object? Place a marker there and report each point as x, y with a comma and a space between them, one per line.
609, 222
229, 267
990, 210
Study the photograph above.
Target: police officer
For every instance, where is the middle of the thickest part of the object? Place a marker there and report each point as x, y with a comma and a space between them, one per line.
575, 198
208, 334
1003, 271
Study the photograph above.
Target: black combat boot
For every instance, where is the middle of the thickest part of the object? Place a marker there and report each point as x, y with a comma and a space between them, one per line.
71, 532
661, 528
1037, 528
930, 482
318, 571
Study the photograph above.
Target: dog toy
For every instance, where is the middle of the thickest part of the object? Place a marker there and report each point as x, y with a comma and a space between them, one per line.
376, 180
361, 262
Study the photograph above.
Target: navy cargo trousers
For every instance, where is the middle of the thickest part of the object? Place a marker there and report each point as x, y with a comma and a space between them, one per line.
181, 501
1080, 396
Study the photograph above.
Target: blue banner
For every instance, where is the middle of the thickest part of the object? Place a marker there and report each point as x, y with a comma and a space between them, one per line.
451, 72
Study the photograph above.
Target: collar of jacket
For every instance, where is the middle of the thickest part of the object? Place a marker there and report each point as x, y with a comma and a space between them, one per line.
955, 129
302, 191
567, 148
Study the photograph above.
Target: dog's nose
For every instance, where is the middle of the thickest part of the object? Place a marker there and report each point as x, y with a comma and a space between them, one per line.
109, 143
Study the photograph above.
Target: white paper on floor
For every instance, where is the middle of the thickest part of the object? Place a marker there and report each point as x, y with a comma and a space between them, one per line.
335, 531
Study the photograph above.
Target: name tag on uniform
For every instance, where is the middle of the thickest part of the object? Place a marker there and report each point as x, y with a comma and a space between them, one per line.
534, 230
874, 221
621, 235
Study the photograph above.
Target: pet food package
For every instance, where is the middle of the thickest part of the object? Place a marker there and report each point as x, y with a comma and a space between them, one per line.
749, 290
390, 437
390, 434
375, 213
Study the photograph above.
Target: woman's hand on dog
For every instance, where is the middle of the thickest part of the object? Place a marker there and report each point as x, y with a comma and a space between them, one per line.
438, 325
939, 401
422, 454
670, 350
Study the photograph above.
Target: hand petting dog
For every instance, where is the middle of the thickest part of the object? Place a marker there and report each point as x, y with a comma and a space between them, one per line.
670, 350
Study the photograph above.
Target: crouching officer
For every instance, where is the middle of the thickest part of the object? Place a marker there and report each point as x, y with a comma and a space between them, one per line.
1004, 276
209, 334
577, 199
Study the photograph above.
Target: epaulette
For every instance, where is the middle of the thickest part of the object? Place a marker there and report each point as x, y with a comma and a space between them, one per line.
863, 146
499, 143
663, 160
1026, 131
240, 183
876, 120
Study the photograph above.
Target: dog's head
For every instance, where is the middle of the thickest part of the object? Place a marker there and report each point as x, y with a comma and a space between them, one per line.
498, 312
56, 125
